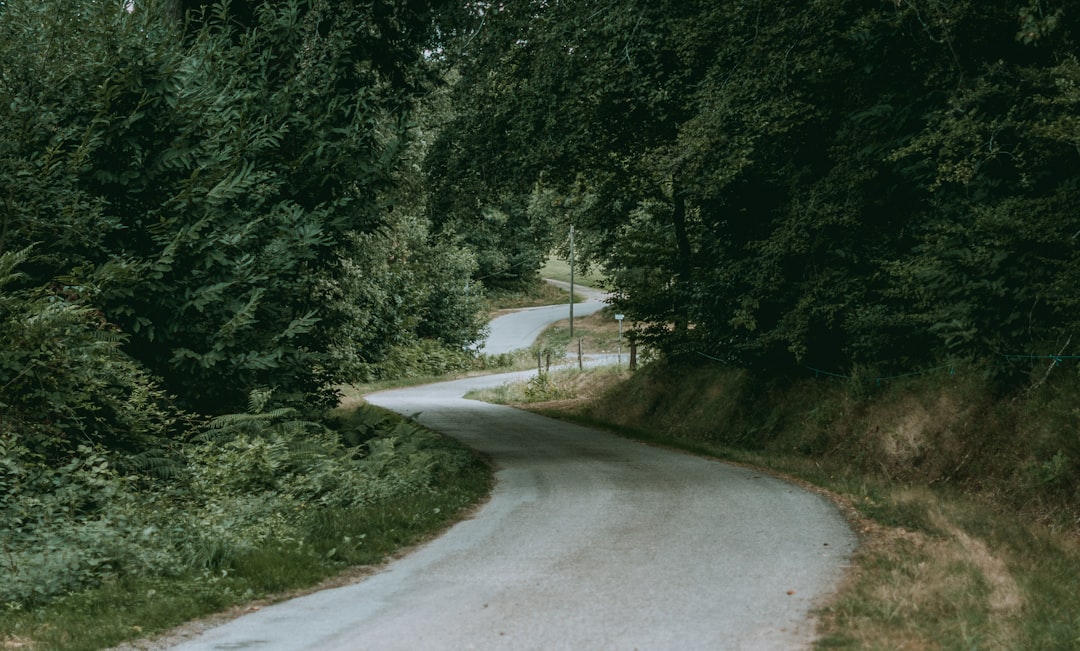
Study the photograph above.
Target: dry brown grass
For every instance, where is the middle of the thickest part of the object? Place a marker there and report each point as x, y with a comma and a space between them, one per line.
599, 334
908, 585
918, 435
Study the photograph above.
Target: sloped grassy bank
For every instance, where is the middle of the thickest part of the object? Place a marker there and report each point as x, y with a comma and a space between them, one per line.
256, 506
966, 498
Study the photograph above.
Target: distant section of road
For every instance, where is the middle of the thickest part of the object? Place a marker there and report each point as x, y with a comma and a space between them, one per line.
520, 328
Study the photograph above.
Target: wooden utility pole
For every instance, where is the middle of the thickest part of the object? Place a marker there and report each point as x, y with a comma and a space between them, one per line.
571, 281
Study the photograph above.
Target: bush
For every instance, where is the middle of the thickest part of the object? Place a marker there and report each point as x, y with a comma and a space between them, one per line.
73, 526
64, 380
249, 483
419, 358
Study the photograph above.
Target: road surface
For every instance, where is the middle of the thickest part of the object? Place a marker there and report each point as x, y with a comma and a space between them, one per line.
520, 328
589, 541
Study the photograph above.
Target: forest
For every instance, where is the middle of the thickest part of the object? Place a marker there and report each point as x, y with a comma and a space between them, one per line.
215, 215
841, 185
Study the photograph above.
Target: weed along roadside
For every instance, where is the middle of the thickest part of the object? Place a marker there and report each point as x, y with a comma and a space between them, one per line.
968, 516
267, 515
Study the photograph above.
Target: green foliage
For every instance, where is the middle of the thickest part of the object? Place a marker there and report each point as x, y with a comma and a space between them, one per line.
64, 380
834, 186
543, 387
333, 539
222, 193
423, 358
250, 482
468, 199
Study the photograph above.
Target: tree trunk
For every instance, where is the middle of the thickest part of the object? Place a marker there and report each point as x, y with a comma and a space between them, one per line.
682, 260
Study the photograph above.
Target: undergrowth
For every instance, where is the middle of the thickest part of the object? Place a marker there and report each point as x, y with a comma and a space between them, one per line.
258, 503
532, 294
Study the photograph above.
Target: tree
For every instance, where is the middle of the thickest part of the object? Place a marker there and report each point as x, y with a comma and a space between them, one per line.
220, 193
830, 185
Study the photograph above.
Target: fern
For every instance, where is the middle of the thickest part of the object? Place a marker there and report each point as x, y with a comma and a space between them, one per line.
152, 463
8, 261
258, 399
233, 186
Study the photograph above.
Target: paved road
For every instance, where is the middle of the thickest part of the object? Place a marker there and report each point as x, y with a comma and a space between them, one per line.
589, 541
519, 329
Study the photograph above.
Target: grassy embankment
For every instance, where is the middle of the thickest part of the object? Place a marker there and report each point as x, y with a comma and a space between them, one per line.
540, 292
242, 527
966, 501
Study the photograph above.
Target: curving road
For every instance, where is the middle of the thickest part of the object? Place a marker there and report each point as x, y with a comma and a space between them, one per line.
589, 541
520, 328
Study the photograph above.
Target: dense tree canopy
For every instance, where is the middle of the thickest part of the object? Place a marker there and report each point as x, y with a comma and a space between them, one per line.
252, 194
832, 184
221, 188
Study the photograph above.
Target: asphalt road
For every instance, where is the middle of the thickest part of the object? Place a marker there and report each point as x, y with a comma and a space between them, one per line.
589, 541
520, 328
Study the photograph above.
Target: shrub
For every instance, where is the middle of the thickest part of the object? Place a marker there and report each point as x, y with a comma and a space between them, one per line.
72, 526
64, 380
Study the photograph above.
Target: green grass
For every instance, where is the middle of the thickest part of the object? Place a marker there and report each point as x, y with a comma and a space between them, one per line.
337, 541
535, 294
558, 269
979, 557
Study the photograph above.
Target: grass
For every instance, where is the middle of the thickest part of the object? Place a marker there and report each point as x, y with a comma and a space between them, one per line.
597, 332
958, 551
341, 545
535, 294
558, 269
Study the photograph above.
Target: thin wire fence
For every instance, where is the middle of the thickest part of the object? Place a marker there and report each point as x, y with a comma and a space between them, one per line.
820, 373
